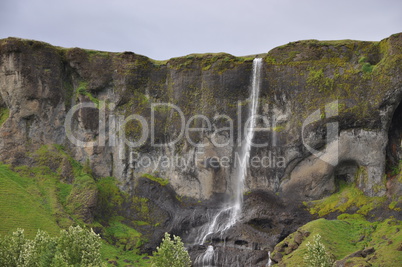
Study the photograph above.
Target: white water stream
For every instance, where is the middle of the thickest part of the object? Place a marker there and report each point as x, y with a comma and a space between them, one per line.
230, 213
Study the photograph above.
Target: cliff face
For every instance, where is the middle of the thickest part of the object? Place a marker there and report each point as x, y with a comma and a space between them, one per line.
326, 112
40, 83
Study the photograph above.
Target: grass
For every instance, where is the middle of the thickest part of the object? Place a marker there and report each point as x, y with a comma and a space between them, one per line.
64, 191
26, 203
111, 254
82, 90
121, 235
35, 198
122, 242
366, 66
351, 233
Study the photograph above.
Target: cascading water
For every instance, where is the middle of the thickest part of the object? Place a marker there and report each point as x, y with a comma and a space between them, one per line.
244, 155
269, 263
229, 214
207, 258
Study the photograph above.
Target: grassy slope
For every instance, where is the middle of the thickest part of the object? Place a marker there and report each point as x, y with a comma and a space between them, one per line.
33, 203
23, 204
112, 254
350, 234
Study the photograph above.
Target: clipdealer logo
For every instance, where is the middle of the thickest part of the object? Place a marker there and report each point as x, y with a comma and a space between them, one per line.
116, 136
117, 125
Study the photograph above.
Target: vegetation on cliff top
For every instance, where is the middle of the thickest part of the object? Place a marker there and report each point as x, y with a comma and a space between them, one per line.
318, 72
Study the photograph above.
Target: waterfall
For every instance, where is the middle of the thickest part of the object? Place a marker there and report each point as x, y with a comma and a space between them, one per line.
207, 258
244, 155
269, 263
229, 214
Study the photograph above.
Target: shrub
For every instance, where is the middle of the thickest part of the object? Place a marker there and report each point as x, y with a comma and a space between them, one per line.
316, 255
171, 252
74, 247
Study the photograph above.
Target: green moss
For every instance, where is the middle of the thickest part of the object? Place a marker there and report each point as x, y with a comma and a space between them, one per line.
348, 197
141, 223
92, 53
4, 114
159, 63
159, 180
216, 62
366, 66
179, 198
354, 216
83, 90
393, 205
317, 79
279, 128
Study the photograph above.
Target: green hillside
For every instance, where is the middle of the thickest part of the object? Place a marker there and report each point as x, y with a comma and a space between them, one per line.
27, 203
37, 198
343, 238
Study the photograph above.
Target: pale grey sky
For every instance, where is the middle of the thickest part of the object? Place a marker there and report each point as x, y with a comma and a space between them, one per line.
162, 29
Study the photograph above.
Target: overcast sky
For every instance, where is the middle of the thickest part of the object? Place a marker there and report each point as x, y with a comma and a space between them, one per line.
162, 29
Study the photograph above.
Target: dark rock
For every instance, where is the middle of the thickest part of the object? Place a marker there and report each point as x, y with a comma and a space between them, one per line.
298, 238
277, 257
358, 254
293, 247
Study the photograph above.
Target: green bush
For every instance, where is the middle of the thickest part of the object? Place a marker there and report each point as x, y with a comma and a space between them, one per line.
316, 255
171, 253
74, 247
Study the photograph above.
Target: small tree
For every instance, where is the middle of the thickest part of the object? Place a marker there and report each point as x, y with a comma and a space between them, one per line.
74, 247
171, 253
79, 246
316, 255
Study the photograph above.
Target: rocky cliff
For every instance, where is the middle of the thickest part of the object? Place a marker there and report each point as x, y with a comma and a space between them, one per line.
328, 114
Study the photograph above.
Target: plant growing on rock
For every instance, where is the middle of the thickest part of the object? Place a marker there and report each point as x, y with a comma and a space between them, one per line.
317, 255
171, 252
